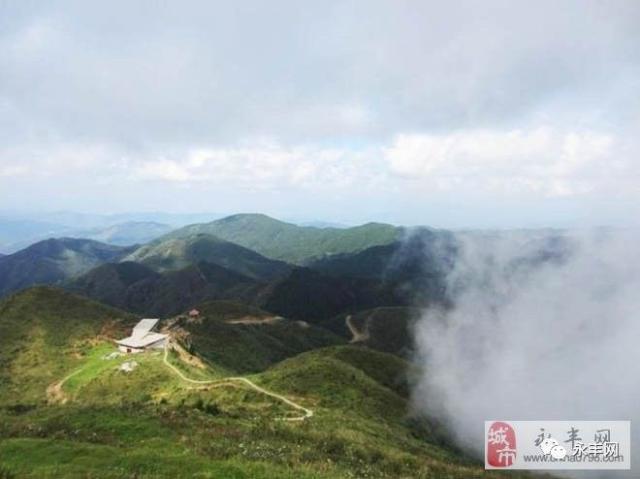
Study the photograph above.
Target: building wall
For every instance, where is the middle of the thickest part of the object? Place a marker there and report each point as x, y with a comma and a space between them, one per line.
125, 349
157, 345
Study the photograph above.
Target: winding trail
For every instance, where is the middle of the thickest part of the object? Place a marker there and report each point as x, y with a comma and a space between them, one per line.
356, 334
55, 394
307, 413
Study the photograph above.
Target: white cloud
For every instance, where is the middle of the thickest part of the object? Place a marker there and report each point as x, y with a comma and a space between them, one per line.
466, 102
540, 160
13, 170
265, 166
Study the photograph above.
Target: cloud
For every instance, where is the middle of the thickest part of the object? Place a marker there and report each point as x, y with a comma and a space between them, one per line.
352, 97
13, 170
265, 167
532, 340
541, 160
213, 71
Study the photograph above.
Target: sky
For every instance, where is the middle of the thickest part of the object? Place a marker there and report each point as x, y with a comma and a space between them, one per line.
457, 114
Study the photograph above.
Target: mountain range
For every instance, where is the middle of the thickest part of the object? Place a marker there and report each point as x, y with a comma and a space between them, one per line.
125, 234
166, 254
289, 242
135, 287
346, 268
17, 234
287, 357
53, 261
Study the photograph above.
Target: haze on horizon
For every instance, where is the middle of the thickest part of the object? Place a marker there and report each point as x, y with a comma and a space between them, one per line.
464, 114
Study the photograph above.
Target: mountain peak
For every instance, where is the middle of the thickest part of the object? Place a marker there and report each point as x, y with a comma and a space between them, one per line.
288, 242
251, 218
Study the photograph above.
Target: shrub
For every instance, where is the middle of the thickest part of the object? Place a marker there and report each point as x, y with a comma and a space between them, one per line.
6, 473
212, 409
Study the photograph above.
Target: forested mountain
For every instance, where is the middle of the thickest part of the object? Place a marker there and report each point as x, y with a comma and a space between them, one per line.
292, 243
54, 261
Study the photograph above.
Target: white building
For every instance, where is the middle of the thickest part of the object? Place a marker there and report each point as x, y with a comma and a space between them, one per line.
143, 338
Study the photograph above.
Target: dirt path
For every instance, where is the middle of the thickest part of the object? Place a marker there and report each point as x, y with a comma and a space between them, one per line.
55, 394
254, 320
188, 358
306, 413
356, 334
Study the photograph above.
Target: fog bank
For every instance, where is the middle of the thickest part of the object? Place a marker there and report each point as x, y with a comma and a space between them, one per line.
540, 328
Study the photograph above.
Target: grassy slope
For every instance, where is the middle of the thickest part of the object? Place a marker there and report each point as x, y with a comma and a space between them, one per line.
149, 424
291, 243
152, 424
46, 332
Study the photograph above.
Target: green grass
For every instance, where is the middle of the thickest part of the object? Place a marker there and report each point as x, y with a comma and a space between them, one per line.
46, 458
45, 334
102, 382
151, 424
359, 429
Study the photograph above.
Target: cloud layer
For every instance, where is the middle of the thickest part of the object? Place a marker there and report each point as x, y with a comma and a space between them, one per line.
417, 102
529, 340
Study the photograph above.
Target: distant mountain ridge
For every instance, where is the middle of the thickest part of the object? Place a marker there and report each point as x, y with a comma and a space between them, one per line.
54, 261
126, 234
17, 234
171, 274
288, 242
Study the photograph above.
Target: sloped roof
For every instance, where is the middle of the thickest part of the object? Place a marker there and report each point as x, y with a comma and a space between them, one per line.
143, 327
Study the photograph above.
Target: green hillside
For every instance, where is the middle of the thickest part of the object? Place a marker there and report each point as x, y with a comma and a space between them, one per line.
182, 415
53, 261
415, 269
386, 329
311, 296
109, 283
301, 293
176, 253
137, 288
46, 332
244, 339
288, 242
